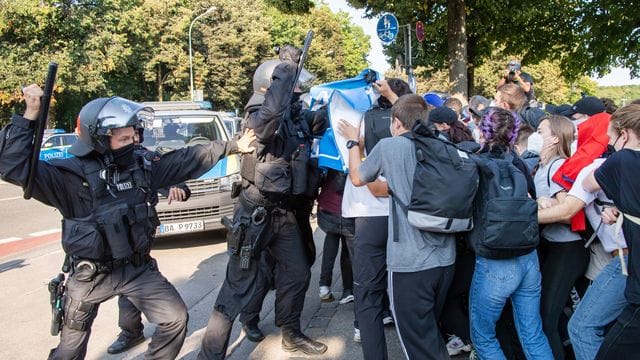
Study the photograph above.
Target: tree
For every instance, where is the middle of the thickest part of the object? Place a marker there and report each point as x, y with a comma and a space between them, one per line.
585, 36
139, 49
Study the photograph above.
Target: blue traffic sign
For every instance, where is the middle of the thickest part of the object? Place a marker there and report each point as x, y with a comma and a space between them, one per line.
387, 28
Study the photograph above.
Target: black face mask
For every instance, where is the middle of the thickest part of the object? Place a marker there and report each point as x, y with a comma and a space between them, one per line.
295, 97
123, 157
610, 150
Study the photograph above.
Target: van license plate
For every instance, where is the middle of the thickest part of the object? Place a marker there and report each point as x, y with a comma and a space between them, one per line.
182, 227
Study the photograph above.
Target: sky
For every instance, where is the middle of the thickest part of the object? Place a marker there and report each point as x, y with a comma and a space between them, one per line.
617, 76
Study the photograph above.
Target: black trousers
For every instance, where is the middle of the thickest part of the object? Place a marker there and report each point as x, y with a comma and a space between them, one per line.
146, 288
623, 340
417, 299
563, 264
283, 239
338, 230
455, 314
370, 283
251, 313
129, 318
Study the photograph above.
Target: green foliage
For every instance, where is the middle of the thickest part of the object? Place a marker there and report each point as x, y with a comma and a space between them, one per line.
140, 50
549, 82
621, 95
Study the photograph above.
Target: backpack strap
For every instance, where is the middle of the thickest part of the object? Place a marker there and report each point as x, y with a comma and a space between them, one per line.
394, 213
549, 171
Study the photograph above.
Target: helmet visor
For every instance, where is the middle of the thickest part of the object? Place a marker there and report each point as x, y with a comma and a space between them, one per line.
120, 113
305, 81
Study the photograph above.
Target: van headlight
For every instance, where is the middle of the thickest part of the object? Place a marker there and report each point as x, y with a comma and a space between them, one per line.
227, 181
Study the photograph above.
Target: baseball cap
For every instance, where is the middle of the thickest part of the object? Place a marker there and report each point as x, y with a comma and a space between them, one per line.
443, 115
588, 105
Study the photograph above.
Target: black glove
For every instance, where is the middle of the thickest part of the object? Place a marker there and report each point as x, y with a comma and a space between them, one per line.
289, 53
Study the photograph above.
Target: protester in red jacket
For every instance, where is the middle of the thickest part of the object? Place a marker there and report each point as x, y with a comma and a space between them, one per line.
591, 122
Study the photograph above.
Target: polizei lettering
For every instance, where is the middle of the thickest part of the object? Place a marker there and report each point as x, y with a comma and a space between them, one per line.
124, 186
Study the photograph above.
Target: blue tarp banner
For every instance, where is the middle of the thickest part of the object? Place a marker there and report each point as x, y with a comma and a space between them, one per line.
346, 99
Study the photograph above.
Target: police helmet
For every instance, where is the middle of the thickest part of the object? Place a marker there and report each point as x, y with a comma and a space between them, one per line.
100, 116
262, 80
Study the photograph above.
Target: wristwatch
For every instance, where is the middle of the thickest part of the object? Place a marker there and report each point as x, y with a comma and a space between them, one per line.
352, 143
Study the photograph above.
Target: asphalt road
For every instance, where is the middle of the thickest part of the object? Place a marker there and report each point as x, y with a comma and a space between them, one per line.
195, 264
24, 219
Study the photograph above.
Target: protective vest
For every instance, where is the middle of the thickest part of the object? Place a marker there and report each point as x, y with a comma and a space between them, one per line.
123, 220
285, 171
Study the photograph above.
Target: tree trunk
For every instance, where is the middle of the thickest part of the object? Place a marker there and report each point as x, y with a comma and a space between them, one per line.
457, 46
471, 65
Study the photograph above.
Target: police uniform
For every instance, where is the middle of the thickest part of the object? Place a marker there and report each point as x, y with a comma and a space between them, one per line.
129, 317
266, 213
108, 228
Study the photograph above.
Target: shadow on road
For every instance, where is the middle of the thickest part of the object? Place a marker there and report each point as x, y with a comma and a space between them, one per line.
13, 264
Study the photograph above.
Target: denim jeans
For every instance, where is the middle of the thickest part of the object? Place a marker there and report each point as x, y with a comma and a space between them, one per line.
601, 305
495, 281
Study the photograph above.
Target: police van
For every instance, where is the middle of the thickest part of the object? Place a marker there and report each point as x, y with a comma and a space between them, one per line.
56, 144
178, 124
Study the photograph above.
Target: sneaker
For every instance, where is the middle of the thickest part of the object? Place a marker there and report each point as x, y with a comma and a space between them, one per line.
473, 355
387, 319
356, 335
455, 346
347, 297
325, 294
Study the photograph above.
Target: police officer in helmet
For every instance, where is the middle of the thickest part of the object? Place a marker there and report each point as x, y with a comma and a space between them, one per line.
264, 217
104, 194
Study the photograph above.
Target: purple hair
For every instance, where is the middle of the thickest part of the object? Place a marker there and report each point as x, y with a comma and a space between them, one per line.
500, 126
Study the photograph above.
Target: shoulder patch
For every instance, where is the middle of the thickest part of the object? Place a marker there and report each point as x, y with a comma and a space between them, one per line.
152, 156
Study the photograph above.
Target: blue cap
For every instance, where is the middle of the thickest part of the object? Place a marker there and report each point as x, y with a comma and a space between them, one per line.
433, 99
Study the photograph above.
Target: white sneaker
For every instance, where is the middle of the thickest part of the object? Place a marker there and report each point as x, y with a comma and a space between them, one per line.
356, 335
325, 294
455, 346
387, 320
347, 297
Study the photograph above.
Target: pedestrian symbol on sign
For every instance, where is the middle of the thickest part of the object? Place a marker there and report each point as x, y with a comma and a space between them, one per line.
387, 28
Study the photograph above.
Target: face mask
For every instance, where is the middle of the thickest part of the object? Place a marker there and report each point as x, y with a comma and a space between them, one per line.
123, 157
611, 148
574, 147
534, 143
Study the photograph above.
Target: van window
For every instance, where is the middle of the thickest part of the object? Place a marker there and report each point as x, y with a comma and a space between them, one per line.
180, 131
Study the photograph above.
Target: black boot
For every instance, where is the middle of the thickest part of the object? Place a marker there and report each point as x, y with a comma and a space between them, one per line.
294, 340
253, 332
124, 343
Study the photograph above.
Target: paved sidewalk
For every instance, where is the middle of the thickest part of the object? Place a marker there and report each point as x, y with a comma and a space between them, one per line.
330, 323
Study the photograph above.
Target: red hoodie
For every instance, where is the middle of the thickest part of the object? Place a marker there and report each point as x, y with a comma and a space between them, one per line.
592, 142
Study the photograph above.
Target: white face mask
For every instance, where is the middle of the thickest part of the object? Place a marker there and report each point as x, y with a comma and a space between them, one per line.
574, 146
535, 143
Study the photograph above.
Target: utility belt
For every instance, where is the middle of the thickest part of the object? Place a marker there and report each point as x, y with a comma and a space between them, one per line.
252, 197
88, 268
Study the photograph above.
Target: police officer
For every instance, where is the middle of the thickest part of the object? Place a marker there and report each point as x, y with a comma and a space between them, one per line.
264, 218
129, 317
104, 194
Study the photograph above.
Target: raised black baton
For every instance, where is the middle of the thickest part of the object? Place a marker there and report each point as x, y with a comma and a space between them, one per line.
41, 123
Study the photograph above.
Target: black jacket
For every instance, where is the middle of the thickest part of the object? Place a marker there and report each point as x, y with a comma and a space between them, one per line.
67, 192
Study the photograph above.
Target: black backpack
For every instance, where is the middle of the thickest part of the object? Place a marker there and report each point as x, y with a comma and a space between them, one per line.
506, 218
376, 126
444, 185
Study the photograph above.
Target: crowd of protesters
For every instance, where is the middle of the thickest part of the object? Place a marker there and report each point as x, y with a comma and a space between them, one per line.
575, 295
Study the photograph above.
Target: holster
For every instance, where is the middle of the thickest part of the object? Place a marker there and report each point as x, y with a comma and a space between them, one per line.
56, 299
246, 231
